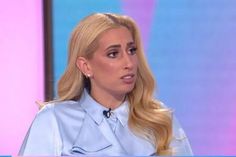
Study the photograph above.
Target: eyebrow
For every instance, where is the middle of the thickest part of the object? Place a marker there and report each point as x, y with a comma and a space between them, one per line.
130, 43
113, 46
118, 45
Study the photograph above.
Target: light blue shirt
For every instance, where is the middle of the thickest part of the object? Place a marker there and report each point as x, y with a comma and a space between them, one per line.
80, 128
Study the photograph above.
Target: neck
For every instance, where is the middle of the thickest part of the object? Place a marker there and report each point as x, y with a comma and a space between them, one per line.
108, 100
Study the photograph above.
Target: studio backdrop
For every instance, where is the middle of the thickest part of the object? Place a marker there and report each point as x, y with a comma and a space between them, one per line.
189, 44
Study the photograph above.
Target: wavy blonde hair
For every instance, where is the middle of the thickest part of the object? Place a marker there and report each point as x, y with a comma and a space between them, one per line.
147, 117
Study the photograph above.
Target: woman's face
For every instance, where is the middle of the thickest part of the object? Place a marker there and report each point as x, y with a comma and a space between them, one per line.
113, 67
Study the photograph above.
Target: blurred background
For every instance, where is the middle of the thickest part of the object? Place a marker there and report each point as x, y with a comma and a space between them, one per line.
189, 44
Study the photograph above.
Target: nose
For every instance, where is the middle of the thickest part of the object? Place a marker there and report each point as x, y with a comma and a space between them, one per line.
128, 61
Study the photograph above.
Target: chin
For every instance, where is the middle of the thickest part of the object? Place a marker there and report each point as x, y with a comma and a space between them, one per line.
123, 90
128, 90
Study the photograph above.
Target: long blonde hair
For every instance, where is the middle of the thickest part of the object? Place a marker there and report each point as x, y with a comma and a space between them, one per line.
147, 117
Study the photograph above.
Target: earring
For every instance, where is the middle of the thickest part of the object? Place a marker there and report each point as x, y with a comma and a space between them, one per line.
87, 75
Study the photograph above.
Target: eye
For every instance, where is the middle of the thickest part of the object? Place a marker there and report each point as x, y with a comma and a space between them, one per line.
112, 54
132, 50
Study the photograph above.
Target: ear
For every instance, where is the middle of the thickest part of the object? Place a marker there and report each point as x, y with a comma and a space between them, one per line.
84, 66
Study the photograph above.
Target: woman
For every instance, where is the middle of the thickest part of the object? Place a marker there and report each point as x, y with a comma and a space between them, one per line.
105, 104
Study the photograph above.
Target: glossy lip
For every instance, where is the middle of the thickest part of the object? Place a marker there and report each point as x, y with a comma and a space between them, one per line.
130, 79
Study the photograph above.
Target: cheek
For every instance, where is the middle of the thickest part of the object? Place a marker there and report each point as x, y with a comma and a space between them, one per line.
109, 68
104, 68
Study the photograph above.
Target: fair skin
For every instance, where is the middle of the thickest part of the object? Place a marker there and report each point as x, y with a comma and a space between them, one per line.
113, 68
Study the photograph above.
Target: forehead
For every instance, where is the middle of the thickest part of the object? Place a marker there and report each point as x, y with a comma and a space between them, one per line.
120, 35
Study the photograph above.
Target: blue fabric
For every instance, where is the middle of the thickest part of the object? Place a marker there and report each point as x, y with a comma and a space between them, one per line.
80, 128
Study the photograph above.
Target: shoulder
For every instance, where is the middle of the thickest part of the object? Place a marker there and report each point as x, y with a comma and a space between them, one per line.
59, 114
62, 110
42, 132
53, 123
67, 105
180, 143
59, 107
50, 113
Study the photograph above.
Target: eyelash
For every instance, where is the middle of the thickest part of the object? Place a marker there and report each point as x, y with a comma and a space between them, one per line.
133, 50
113, 54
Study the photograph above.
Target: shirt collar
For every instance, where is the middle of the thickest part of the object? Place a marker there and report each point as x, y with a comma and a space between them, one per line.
122, 112
95, 110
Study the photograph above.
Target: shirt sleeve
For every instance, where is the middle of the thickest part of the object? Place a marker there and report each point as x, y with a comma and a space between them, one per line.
180, 143
43, 137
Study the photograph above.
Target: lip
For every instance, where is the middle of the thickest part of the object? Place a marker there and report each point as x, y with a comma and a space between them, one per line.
128, 78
